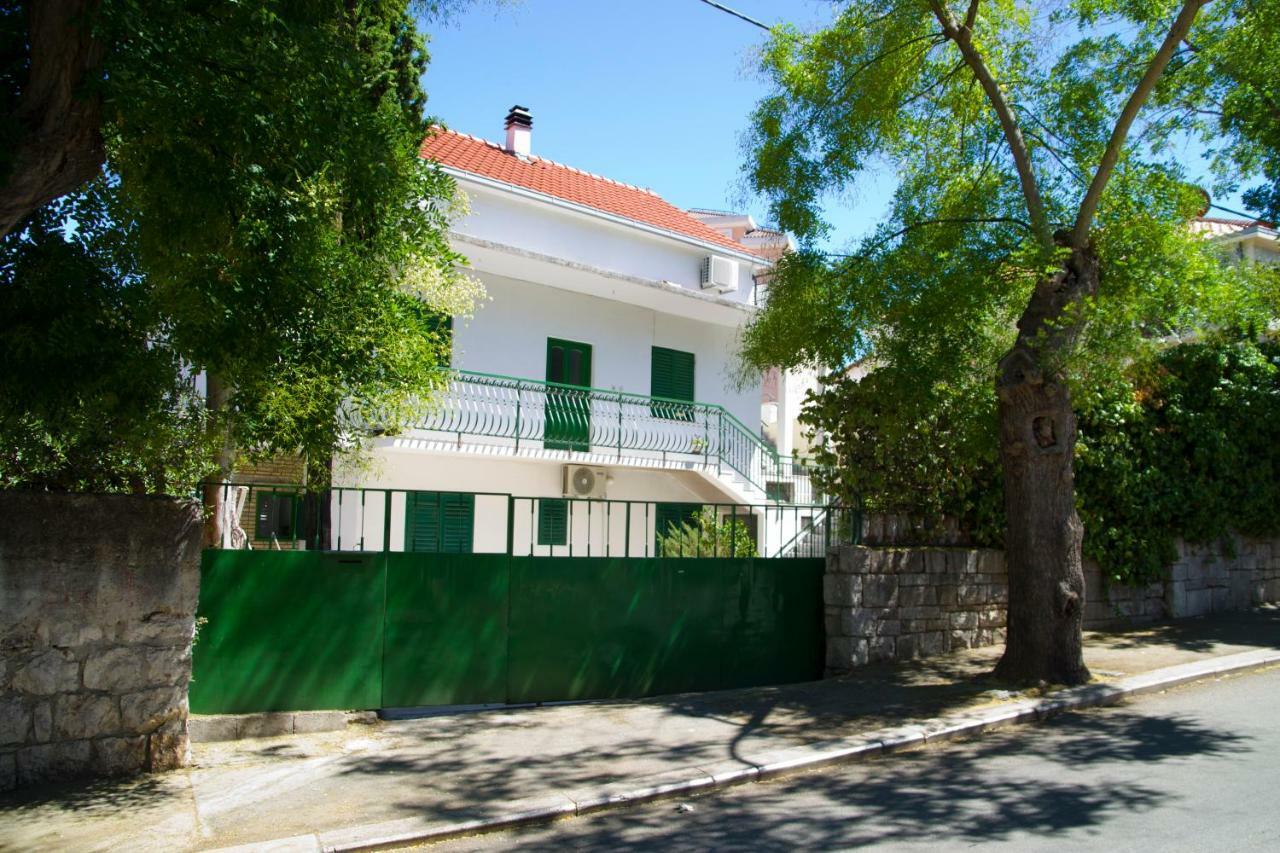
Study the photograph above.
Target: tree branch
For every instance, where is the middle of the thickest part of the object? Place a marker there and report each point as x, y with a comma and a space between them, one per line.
961, 35
971, 17
59, 147
1089, 206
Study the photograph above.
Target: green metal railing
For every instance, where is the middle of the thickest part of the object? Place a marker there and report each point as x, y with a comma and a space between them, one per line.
529, 412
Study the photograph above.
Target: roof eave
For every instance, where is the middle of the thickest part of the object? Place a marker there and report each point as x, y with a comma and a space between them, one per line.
524, 192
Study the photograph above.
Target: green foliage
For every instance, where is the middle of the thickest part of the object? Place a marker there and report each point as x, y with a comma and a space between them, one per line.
708, 536
92, 397
927, 304
1231, 62
927, 455
1191, 450
282, 233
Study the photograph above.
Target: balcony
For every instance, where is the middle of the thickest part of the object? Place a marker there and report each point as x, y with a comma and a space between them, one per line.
526, 417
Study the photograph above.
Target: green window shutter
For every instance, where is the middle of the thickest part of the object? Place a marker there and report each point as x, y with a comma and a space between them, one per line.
553, 521
459, 523
671, 376
439, 523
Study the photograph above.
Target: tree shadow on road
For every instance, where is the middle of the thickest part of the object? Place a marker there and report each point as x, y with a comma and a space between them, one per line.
975, 792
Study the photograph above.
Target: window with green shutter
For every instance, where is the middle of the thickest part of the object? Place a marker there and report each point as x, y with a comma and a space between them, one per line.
671, 377
439, 522
553, 521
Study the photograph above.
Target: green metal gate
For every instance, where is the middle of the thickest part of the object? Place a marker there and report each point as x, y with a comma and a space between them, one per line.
292, 631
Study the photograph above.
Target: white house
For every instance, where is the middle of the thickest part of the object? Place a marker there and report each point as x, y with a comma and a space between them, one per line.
593, 402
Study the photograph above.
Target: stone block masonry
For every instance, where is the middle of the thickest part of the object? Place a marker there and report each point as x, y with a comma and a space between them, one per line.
97, 612
886, 604
900, 603
1229, 575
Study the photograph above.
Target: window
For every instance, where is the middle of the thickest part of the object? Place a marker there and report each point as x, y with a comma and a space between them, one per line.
781, 491
553, 521
439, 522
671, 377
277, 516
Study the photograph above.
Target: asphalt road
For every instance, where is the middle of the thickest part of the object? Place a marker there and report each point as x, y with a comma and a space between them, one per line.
1196, 768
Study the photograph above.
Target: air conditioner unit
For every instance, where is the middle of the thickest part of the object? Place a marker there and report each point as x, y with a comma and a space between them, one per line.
581, 481
719, 274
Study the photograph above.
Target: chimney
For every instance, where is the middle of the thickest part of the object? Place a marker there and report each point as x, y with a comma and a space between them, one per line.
519, 131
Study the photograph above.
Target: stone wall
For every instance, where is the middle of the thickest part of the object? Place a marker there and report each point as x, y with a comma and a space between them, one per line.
97, 612
1221, 577
901, 603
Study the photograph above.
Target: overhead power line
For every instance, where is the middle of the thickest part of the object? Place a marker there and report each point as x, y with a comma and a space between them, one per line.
1249, 216
736, 14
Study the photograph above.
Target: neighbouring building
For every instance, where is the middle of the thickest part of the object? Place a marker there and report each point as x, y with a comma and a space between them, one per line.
1241, 239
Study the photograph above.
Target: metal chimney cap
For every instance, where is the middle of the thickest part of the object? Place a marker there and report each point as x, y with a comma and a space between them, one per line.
519, 115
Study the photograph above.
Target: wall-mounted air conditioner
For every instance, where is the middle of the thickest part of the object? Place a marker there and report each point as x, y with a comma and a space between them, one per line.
719, 274
582, 481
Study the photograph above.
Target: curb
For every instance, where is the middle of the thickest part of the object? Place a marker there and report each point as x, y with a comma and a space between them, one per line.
768, 765
212, 728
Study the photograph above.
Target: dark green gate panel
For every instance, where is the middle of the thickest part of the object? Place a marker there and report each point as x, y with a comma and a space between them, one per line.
774, 622
446, 630
288, 631
295, 631
605, 628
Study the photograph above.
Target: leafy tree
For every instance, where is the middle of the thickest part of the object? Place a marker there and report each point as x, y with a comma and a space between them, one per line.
259, 169
1167, 458
1037, 233
1237, 53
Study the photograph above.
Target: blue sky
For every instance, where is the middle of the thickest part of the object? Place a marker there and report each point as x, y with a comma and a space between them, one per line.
650, 92
654, 92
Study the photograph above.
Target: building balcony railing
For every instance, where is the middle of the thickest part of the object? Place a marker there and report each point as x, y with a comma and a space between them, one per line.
528, 413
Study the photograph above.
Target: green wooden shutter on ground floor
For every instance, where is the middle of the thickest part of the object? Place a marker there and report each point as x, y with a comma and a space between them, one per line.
553, 521
671, 376
439, 523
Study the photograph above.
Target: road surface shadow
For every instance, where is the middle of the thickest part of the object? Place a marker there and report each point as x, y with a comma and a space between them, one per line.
979, 791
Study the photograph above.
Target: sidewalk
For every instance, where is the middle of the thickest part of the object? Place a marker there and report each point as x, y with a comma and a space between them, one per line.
478, 766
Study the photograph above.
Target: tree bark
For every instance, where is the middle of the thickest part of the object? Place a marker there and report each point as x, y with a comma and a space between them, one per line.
1037, 450
59, 147
217, 394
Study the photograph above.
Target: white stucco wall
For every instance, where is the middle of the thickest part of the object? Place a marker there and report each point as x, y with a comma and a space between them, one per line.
550, 230
508, 335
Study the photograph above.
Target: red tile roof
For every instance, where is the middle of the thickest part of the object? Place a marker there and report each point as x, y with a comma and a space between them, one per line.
489, 160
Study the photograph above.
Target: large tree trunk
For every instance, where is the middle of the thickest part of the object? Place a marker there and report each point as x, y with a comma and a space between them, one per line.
59, 146
1037, 449
217, 395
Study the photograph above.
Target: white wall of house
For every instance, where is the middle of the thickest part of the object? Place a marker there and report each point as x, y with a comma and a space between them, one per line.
586, 238
508, 335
